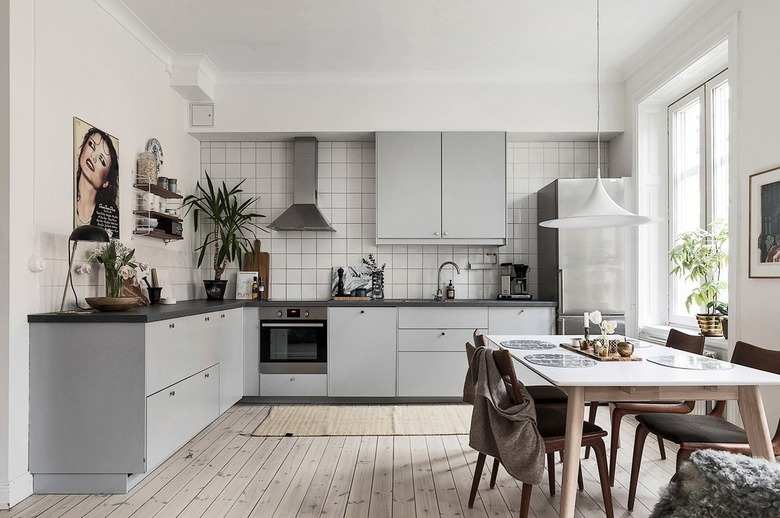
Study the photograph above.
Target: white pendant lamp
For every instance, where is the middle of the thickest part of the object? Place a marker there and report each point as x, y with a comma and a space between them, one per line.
599, 209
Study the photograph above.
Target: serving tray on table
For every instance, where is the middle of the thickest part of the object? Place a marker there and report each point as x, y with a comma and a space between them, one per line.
610, 358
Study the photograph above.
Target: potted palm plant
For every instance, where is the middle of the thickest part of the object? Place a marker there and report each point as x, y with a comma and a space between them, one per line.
699, 256
231, 226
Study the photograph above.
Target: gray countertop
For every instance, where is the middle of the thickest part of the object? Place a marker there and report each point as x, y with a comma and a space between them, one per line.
195, 307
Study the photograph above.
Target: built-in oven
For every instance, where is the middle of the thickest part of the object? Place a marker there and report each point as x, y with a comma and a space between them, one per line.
293, 340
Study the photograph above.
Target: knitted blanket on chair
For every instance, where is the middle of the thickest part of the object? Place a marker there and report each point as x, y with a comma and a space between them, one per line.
715, 484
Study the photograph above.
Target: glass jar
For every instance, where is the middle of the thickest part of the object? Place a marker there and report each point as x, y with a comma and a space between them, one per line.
147, 168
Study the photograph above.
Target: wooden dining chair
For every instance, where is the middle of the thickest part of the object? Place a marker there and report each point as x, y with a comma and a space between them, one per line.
543, 396
551, 424
696, 432
677, 340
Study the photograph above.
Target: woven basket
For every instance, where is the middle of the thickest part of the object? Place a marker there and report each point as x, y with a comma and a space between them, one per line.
710, 325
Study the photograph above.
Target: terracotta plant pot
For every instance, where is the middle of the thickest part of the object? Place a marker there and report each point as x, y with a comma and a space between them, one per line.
710, 325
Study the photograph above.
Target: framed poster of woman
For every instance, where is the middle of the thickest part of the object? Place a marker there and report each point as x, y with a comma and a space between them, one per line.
96, 178
765, 223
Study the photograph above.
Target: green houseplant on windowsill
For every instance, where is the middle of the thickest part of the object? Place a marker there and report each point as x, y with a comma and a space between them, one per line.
699, 256
231, 226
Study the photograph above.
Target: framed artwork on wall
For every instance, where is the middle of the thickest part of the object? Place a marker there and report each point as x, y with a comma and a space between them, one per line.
765, 223
95, 178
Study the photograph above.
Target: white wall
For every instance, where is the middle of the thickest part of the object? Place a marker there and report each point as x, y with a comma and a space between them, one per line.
753, 47
72, 59
302, 262
436, 107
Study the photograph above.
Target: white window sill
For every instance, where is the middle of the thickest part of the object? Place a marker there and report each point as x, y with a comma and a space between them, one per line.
657, 334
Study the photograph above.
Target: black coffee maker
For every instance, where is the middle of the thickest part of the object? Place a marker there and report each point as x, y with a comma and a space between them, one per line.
519, 282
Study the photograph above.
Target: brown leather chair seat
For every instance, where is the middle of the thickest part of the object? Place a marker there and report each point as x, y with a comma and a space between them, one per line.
546, 395
552, 423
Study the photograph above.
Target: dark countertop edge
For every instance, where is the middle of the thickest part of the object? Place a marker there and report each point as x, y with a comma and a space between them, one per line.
186, 308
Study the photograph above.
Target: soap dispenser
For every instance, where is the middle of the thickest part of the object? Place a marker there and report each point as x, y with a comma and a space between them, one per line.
449, 292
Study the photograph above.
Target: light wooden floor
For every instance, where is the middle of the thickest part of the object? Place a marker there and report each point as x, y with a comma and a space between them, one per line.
224, 472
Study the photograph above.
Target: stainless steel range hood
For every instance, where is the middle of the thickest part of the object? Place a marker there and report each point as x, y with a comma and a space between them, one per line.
303, 214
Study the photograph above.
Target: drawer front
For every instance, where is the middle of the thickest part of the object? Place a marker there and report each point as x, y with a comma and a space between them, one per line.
178, 348
178, 413
450, 317
293, 384
522, 321
431, 374
433, 340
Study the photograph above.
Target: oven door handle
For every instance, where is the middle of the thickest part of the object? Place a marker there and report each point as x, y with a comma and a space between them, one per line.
292, 325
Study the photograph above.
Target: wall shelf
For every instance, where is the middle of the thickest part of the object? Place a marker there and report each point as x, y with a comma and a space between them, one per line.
162, 193
159, 235
157, 215
156, 189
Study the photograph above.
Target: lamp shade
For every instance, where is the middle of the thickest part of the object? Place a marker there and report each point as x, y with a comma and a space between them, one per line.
598, 211
89, 233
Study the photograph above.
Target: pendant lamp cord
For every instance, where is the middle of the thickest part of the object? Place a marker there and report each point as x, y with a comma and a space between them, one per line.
598, 91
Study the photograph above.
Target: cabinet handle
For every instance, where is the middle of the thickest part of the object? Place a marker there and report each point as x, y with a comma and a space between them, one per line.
172, 393
445, 233
521, 311
206, 319
443, 333
207, 374
171, 326
435, 233
362, 311
222, 315
292, 378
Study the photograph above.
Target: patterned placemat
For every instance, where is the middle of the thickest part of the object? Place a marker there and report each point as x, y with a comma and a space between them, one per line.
531, 345
560, 360
691, 362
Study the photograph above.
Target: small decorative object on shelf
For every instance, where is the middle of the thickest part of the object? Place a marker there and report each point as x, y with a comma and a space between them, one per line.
147, 168
119, 263
377, 277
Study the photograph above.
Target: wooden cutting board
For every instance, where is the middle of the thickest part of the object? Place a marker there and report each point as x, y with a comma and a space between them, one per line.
258, 261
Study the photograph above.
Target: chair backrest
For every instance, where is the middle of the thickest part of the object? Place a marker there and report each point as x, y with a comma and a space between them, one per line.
685, 342
479, 339
506, 368
756, 357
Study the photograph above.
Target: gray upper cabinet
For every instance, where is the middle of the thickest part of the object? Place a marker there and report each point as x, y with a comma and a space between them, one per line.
441, 188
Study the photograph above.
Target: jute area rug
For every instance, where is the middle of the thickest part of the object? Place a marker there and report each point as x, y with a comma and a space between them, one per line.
326, 420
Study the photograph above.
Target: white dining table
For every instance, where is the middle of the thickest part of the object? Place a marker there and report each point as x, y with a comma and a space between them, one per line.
642, 381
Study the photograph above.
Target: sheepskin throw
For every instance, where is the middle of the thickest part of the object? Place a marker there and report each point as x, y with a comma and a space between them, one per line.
715, 484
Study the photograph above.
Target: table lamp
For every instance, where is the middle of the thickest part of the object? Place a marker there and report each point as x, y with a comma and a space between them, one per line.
82, 233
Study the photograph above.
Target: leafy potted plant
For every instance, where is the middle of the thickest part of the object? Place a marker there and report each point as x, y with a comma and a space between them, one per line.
699, 256
230, 230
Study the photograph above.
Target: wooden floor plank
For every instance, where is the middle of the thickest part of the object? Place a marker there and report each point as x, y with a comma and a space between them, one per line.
462, 477
314, 500
381, 505
424, 489
403, 485
446, 493
292, 499
338, 493
238, 485
280, 482
360, 492
225, 472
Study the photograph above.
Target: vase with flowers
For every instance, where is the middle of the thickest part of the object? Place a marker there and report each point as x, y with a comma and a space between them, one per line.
120, 264
607, 327
377, 277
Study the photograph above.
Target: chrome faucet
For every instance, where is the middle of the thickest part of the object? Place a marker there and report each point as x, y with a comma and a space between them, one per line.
439, 295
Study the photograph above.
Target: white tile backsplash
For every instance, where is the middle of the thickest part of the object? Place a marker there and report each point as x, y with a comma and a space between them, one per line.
301, 262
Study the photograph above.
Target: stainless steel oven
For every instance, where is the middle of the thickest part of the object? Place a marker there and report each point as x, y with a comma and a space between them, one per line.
293, 340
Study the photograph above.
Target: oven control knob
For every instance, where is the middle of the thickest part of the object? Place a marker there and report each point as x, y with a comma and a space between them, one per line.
306, 313
279, 314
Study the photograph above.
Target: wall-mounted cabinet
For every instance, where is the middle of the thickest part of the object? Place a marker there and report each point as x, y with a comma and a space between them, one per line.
441, 188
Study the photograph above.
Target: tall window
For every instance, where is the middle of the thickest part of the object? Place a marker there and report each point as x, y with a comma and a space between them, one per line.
699, 174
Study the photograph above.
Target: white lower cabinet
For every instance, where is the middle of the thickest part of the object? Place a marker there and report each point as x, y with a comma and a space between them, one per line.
432, 349
230, 353
177, 413
521, 321
294, 385
361, 351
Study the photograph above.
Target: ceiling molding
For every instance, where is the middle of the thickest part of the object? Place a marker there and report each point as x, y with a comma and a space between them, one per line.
138, 29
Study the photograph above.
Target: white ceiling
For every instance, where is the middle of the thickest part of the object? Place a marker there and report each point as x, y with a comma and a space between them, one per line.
412, 40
